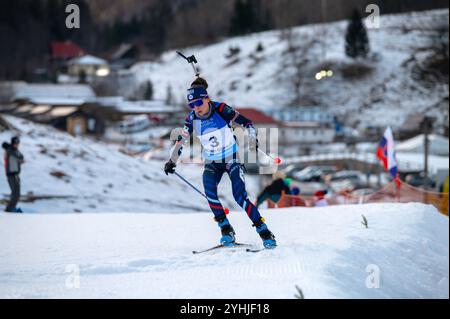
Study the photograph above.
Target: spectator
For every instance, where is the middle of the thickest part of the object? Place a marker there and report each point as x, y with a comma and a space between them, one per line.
13, 160
319, 198
274, 191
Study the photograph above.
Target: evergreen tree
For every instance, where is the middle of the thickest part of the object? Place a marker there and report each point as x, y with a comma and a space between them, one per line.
356, 39
154, 26
249, 16
259, 47
243, 19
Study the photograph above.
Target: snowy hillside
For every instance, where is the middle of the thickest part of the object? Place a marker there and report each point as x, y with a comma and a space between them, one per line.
63, 173
392, 84
326, 252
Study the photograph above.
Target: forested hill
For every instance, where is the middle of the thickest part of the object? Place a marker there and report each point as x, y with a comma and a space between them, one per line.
28, 26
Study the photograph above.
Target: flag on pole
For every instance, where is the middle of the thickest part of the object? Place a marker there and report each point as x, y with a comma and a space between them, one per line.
386, 154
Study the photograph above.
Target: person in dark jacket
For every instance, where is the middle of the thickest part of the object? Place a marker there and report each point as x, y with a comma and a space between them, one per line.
13, 161
274, 190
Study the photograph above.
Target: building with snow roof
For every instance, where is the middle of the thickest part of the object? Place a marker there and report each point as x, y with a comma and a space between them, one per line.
87, 67
302, 114
438, 145
52, 94
295, 127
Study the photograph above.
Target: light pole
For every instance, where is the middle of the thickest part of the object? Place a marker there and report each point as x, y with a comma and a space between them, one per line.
426, 126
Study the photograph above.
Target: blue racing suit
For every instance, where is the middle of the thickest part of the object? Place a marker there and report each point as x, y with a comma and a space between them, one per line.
220, 155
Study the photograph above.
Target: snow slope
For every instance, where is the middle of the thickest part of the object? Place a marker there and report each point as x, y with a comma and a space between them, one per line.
75, 174
327, 252
261, 79
99, 178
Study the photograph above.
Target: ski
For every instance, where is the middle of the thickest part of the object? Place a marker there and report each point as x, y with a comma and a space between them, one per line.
220, 246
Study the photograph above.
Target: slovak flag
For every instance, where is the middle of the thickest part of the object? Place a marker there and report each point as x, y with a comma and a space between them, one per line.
386, 154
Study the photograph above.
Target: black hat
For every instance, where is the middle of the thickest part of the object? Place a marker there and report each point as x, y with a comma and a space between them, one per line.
15, 140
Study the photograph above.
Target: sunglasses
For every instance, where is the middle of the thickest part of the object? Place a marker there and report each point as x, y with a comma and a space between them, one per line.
196, 103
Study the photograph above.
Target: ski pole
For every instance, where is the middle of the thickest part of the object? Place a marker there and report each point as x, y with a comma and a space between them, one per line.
191, 60
226, 210
276, 160
193, 187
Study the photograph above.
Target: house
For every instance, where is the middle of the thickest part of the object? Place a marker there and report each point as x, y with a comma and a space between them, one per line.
78, 122
51, 94
158, 111
302, 114
137, 121
87, 67
75, 108
303, 133
70, 118
268, 128
301, 126
289, 132
306, 125
259, 118
60, 53
58, 105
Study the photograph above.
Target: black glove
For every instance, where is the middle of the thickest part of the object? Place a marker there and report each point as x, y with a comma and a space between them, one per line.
169, 167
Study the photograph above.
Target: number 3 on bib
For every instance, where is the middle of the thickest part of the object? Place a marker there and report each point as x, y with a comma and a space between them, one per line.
213, 142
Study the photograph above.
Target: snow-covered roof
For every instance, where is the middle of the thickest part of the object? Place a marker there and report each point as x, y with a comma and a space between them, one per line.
88, 60
52, 91
438, 145
134, 107
303, 124
137, 106
58, 101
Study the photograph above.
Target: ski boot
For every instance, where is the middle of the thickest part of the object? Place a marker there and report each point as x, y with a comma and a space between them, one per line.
266, 235
14, 210
227, 230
